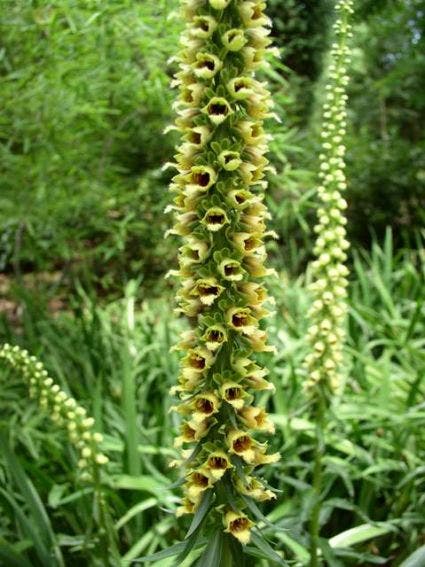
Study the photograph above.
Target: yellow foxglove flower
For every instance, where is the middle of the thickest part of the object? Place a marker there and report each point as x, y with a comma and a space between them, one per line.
239, 525
329, 282
218, 463
62, 409
219, 209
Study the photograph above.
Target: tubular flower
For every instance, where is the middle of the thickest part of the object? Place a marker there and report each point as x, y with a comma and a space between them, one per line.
329, 282
62, 409
221, 216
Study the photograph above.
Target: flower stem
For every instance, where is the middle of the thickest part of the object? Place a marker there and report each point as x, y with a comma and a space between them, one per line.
317, 484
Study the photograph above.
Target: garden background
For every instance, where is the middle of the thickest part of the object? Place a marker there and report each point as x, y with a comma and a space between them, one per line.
84, 89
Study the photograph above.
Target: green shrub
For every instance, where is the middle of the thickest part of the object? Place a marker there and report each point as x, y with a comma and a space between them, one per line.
85, 98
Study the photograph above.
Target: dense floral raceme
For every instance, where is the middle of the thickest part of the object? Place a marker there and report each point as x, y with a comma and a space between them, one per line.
62, 409
329, 285
221, 216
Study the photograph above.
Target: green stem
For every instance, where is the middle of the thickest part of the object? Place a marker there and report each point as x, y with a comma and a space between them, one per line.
130, 415
227, 556
317, 484
129, 391
107, 535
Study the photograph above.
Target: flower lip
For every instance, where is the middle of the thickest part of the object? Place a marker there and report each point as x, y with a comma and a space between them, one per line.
197, 361
229, 160
240, 88
204, 405
238, 525
207, 65
218, 109
214, 337
193, 254
195, 137
234, 39
203, 26
198, 135
202, 177
242, 444
240, 319
207, 290
233, 392
256, 418
247, 243
240, 198
188, 432
231, 270
215, 218
217, 463
199, 479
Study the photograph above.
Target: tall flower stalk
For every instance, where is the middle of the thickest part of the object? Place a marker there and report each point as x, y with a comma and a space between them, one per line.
221, 217
326, 334
65, 412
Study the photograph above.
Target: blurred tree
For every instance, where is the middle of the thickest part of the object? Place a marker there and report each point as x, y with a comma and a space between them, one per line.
300, 28
85, 95
387, 143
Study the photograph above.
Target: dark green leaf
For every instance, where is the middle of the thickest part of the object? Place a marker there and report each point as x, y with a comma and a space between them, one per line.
266, 550
417, 559
212, 554
201, 512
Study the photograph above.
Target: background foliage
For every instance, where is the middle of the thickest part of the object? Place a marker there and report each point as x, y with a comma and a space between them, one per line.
85, 92
85, 96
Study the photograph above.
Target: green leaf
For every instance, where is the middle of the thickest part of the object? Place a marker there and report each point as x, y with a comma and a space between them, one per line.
212, 554
328, 554
258, 514
11, 557
359, 534
134, 510
300, 552
27, 526
145, 483
169, 552
200, 513
266, 550
39, 515
417, 559
190, 544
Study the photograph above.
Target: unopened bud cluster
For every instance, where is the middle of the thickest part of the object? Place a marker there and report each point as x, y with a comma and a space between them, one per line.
221, 216
329, 286
62, 409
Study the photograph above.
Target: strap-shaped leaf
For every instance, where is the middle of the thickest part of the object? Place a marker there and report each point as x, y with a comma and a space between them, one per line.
10, 556
201, 512
190, 544
169, 552
359, 534
417, 559
266, 550
212, 554
258, 514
